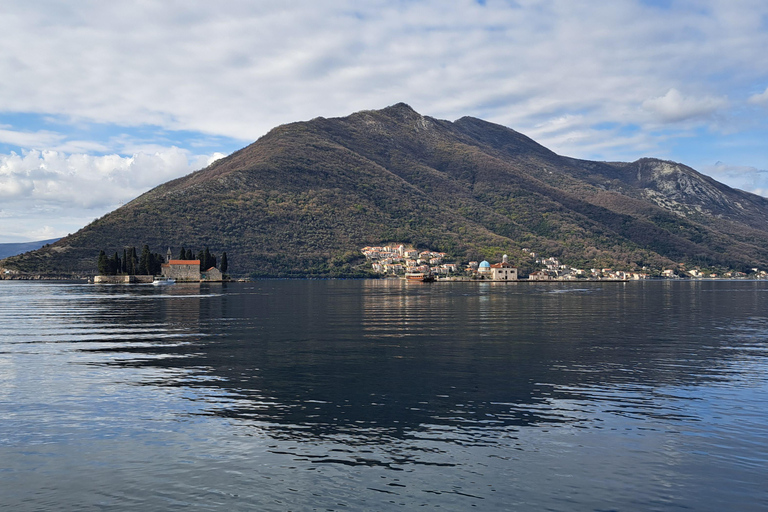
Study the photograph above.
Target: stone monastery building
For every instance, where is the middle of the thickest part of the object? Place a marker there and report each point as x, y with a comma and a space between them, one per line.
182, 270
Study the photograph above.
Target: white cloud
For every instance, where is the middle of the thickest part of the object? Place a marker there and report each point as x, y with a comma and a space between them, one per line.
33, 140
673, 107
760, 99
243, 69
38, 185
574, 135
742, 177
44, 233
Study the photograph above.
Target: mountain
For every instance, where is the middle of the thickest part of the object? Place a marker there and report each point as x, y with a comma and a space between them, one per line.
12, 249
304, 198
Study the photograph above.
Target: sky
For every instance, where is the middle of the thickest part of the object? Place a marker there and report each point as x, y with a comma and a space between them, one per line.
101, 101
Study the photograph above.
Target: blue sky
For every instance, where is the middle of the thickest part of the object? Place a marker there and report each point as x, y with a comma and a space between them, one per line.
102, 101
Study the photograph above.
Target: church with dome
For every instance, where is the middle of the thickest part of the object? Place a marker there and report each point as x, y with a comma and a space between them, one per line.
503, 271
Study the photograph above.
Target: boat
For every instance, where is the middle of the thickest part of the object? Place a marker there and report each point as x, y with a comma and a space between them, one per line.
163, 281
423, 277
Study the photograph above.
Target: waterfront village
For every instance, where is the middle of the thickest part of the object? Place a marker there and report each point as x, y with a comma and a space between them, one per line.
393, 260
396, 260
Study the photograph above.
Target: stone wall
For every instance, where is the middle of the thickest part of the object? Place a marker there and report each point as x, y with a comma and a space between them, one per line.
212, 274
122, 279
182, 272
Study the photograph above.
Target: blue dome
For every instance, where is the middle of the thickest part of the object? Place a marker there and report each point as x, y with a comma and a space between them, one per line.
485, 264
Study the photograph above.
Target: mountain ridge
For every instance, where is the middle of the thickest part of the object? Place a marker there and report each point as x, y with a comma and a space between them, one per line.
306, 196
15, 248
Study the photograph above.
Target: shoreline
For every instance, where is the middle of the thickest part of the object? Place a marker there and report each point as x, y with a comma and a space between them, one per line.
91, 280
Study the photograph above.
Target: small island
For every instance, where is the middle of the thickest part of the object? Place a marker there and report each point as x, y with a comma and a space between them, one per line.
151, 266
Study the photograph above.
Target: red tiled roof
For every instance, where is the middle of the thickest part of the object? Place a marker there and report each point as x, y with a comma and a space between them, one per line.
184, 262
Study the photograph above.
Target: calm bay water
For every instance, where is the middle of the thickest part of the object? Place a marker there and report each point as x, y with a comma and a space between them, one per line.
382, 395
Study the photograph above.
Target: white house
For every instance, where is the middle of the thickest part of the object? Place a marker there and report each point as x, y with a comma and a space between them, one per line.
503, 271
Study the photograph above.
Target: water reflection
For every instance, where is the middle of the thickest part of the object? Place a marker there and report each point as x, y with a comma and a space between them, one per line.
459, 363
301, 395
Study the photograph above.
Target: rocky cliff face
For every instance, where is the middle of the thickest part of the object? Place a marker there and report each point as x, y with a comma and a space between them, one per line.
305, 197
682, 190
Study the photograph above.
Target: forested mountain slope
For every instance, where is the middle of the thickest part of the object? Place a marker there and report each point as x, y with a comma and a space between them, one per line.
305, 197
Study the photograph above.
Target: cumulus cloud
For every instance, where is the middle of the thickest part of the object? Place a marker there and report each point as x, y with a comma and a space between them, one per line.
49, 184
673, 107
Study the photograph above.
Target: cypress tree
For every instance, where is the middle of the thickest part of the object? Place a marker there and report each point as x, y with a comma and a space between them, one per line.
156, 262
114, 266
102, 264
144, 262
133, 261
182, 254
124, 266
189, 256
206, 262
224, 262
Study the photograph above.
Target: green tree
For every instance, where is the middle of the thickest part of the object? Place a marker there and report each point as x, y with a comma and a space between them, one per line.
190, 255
205, 262
182, 254
145, 261
155, 263
224, 263
103, 264
114, 265
133, 261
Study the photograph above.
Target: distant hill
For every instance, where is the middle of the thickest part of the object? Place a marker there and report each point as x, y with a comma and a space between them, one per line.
305, 197
13, 249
